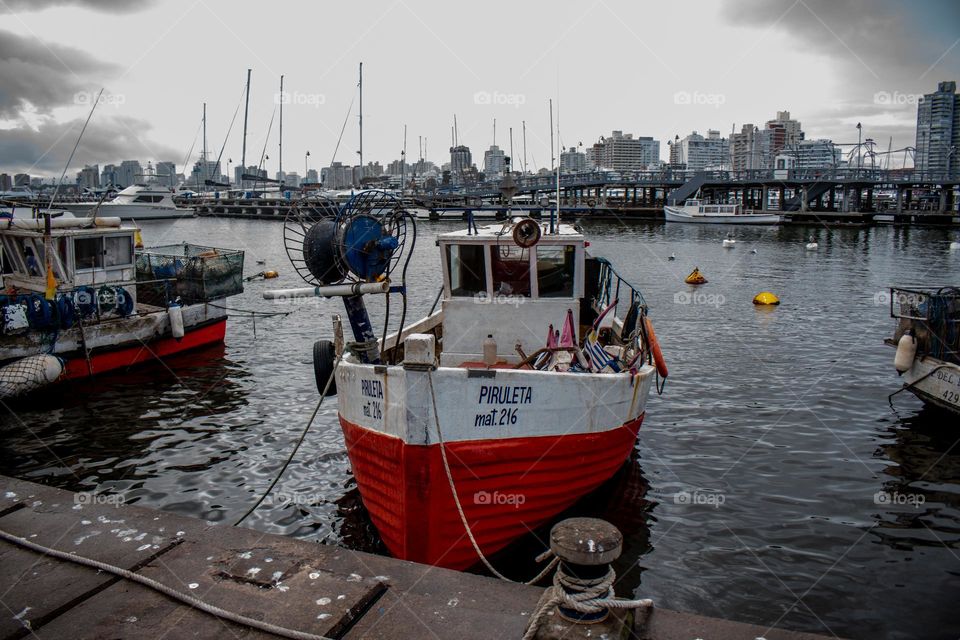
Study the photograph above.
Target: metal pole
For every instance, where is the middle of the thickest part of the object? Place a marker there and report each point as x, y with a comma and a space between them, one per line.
280, 159
524, 147
246, 112
361, 121
205, 177
556, 209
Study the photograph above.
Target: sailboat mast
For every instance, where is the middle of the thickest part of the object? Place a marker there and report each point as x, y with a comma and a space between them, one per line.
204, 157
361, 120
246, 112
524, 147
552, 159
280, 159
403, 162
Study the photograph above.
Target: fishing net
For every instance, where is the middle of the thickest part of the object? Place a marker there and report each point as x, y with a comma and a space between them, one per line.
933, 315
190, 272
28, 374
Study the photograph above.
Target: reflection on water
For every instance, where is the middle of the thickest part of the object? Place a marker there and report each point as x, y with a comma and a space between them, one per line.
772, 482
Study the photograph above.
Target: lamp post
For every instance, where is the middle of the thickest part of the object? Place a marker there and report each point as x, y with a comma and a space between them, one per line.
305, 167
859, 137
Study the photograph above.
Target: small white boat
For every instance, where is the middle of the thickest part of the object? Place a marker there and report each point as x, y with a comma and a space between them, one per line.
137, 202
704, 212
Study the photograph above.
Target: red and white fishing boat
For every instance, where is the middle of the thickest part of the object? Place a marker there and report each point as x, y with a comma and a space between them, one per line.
79, 299
481, 420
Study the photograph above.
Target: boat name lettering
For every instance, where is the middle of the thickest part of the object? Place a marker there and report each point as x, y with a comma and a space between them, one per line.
945, 376
371, 388
492, 394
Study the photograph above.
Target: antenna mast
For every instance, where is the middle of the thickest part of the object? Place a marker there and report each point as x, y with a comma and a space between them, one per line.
361, 121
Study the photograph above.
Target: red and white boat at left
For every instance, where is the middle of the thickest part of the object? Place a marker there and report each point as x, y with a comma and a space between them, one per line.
79, 299
521, 393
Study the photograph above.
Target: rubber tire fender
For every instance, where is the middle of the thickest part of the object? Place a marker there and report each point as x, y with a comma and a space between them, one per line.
324, 357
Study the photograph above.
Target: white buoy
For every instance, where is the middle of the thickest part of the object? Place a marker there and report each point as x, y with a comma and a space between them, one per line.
729, 242
906, 352
955, 246
175, 313
27, 374
812, 245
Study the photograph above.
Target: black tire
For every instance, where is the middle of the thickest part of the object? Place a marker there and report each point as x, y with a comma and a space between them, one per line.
323, 358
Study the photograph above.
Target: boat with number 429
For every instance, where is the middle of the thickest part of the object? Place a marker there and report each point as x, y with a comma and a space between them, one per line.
927, 339
79, 299
521, 391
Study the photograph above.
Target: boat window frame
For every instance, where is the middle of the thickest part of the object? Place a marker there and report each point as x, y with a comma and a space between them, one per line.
103, 266
575, 264
445, 254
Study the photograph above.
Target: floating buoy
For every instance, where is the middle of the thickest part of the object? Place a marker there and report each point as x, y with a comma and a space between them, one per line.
27, 374
906, 352
695, 277
729, 243
270, 274
766, 298
812, 245
655, 348
954, 246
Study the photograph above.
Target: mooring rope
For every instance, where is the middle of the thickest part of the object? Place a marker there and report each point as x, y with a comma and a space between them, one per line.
170, 592
463, 518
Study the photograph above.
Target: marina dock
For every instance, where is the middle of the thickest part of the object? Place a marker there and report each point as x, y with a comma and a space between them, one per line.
296, 585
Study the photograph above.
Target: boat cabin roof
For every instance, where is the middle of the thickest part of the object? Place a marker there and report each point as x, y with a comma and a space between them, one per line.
502, 232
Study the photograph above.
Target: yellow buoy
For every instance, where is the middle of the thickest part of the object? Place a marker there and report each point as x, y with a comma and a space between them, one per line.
695, 277
270, 274
765, 297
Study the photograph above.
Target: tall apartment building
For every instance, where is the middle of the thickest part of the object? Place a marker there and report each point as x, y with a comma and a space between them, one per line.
6, 182
938, 131
573, 161
167, 174
21, 180
128, 173
109, 176
810, 154
623, 152
89, 177
337, 176
494, 162
701, 153
460, 162
784, 132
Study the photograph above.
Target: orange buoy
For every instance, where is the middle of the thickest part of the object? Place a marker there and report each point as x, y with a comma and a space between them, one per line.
270, 274
655, 347
695, 277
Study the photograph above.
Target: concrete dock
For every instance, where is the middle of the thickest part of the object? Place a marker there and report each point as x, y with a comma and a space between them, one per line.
296, 584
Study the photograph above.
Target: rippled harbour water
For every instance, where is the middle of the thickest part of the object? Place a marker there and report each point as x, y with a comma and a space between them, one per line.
772, 482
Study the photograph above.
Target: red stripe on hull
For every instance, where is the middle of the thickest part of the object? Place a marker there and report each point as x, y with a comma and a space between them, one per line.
138, 352
506, 487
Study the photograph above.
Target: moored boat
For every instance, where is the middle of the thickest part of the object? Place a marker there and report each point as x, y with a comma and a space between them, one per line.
522, 392
136, 202
709, 213
927, 339
77, 291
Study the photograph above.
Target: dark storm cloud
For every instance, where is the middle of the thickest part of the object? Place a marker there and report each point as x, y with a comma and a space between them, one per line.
44, 75
103, 6
108, 138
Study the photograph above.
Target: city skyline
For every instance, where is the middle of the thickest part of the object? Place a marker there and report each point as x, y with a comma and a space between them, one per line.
152, 106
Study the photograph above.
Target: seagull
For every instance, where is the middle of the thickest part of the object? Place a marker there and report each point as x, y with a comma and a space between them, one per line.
673, 256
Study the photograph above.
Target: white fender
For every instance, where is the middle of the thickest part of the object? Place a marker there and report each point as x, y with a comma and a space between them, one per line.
27, 374
906, 352
175, 313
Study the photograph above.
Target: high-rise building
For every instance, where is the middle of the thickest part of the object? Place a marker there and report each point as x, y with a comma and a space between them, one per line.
206, 170
460, 161
809, 154
292, 179
494, 162
784, 132
337, 176
21, 180
573, 161
6, 182
938, 131
623, 152
167, 174
750, 150
129, 173
700, 153
312, 176
110, 175
89, 177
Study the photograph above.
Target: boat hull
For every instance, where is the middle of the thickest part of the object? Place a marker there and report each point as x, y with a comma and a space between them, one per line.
935, 382
676, 214
522, 446
506, 487
130, 212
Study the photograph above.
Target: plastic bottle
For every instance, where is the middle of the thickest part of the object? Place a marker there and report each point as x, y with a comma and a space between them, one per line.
489, 351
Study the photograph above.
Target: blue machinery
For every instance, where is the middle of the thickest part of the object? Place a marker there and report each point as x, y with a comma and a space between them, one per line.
350, 255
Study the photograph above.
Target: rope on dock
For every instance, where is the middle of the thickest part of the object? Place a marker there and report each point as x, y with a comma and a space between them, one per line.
463, 518
150, 583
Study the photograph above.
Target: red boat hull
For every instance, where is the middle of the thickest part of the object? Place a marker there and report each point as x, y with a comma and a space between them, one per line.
130, 354
507, 487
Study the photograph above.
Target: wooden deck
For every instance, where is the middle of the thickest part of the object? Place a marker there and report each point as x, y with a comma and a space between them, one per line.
296, 584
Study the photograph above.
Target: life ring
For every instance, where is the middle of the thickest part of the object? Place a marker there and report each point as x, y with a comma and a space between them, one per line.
591, 203
526, 233
655, 347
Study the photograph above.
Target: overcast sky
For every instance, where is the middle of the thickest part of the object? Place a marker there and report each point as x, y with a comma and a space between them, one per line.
651, 69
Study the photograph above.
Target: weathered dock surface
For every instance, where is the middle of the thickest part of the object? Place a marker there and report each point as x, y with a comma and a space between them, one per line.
296, 584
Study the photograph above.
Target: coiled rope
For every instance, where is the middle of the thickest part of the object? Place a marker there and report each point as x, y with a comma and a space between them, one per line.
150, 583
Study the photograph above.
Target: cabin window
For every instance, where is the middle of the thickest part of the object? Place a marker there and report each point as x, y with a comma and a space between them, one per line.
118, 251
148, 199
88, 253
511, 270
555, 271
468, 271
